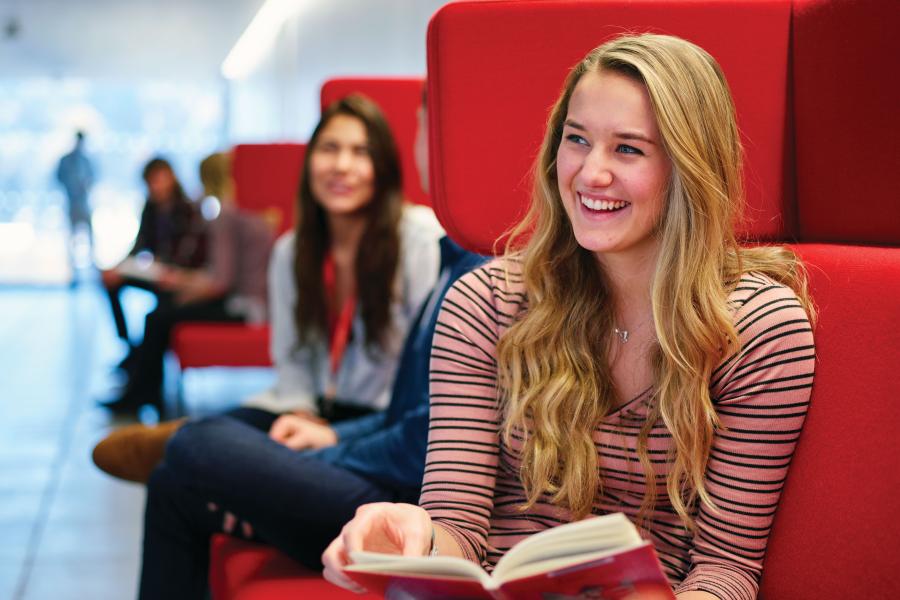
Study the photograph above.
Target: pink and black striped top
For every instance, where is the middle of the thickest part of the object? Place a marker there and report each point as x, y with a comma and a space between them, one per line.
471, 484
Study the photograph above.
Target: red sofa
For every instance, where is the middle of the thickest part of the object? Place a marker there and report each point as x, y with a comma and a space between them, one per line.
817, 109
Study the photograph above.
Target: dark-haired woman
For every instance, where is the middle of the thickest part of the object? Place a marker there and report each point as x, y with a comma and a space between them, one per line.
171, 233
344, 288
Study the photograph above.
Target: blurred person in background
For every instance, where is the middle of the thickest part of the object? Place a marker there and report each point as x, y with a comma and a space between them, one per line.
76, 175
172, 233
290, 480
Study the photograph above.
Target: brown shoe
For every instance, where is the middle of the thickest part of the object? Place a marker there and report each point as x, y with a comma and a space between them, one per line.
132, 452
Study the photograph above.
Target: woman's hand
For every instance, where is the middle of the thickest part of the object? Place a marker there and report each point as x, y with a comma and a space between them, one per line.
299, 433
381, 527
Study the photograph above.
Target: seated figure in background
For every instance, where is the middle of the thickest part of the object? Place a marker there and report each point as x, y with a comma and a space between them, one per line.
230, 287
171, 232
289, 478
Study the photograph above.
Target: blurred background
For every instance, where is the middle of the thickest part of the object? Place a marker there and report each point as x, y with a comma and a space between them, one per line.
180, 78
147, 77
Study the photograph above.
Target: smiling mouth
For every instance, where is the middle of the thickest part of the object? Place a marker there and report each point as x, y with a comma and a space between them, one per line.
339, 188
605, 206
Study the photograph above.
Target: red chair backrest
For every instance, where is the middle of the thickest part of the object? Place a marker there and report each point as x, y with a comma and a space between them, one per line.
836, 531
831, 175
266, 179
399, 99
495, 69
846, 57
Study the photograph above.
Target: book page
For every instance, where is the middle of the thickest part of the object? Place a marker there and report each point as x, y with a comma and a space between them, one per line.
595, 534
560, 562
435, 566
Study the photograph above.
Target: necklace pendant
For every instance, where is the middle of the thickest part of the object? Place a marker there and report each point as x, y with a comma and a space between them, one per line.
623, 334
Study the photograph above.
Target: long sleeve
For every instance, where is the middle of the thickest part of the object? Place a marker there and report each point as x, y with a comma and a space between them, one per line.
463, 439
295, 387
353, 429
142, 240
389, 454
222, 268
421, 259
761, 395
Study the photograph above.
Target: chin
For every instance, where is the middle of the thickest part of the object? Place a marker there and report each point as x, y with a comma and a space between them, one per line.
591, 243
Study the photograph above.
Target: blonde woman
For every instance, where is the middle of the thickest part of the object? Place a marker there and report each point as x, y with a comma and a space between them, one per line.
630, 356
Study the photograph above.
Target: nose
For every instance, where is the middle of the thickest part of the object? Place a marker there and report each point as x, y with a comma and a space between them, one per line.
596, 170
343, 161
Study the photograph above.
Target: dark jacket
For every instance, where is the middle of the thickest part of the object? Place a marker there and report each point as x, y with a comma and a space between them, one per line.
175, 237
389, 446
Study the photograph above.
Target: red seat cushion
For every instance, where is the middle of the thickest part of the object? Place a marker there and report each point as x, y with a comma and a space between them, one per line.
495, 68
836, 531
221, 345
242, 570
399, 99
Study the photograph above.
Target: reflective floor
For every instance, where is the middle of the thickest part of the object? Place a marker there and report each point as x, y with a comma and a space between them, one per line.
68, 531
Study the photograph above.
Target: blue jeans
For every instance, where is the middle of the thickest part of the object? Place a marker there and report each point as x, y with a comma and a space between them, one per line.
292, 500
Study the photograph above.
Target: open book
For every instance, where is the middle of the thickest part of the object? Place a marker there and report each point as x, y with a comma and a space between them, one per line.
601, 557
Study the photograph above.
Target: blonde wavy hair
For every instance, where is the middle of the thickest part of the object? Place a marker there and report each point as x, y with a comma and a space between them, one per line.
215, 175
555, 378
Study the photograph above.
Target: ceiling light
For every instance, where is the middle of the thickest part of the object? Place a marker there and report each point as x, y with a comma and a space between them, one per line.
258, 38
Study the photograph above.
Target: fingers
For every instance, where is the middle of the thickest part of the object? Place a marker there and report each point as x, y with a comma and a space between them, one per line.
335, 559
228, 522
282, 429
291, 431
381, 527
416, 542
417, 532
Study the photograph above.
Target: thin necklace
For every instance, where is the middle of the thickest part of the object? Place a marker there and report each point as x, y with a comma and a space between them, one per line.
623, 334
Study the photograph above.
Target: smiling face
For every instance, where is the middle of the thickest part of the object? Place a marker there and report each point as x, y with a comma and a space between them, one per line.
342, 175
611, 167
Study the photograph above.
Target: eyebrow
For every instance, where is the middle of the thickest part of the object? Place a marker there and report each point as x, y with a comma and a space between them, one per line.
625, 135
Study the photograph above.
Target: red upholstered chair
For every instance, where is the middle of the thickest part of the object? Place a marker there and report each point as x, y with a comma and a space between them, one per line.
246, 571
836, 532
399, 98
266, 177
846, 94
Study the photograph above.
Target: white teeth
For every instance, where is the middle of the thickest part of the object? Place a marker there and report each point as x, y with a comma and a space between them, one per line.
602, 204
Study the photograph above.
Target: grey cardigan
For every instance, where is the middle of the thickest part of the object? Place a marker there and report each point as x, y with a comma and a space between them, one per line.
365, 376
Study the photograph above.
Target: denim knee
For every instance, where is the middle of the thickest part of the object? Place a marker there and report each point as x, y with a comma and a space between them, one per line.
191, 449
162, 486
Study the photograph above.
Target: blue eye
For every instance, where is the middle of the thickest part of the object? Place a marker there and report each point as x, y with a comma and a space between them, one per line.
626, 149
576, 139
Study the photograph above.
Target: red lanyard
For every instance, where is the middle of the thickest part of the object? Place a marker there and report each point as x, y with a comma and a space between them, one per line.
339, 324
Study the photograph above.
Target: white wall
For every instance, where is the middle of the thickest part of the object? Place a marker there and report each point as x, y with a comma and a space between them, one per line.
329, 38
